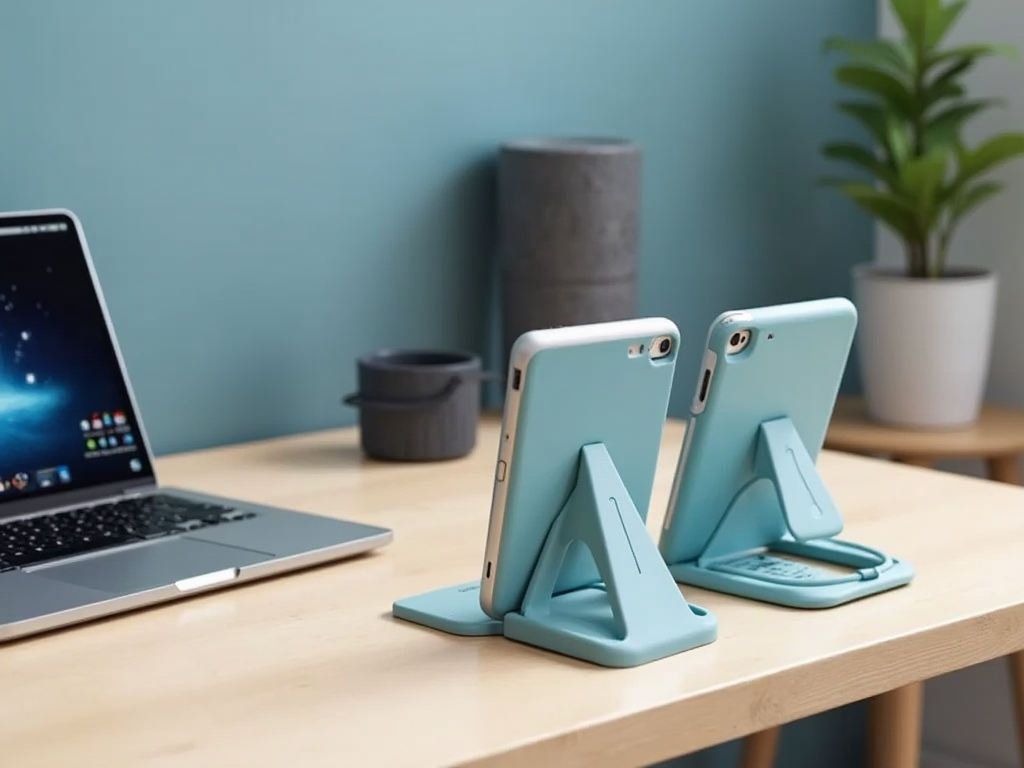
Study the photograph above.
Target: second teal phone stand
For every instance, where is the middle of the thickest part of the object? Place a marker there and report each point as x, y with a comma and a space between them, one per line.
635, 615
787, 509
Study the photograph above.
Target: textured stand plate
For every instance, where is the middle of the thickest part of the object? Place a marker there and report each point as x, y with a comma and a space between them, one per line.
636, 615
737, 563
455, 610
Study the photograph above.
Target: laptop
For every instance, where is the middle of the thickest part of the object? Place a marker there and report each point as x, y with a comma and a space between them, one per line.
86, 529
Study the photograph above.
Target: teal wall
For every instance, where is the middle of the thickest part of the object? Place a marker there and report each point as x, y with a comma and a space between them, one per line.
271, 188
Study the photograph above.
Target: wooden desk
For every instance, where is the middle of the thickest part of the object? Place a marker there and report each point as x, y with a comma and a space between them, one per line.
311, 668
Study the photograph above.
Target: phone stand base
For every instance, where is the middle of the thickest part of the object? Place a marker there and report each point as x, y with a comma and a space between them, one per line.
635, 615
787, 509
455, 610
583, 625
762, 575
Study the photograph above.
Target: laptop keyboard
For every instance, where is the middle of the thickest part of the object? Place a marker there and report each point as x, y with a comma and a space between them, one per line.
87, 529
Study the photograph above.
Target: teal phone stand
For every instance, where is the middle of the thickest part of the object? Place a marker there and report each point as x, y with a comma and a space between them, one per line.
455, 610
787, 509
635, 615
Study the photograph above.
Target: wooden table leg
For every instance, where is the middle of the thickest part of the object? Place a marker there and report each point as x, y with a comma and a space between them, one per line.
895, 723
759, 748
915, 461
895, 717
1004, 469
1017, 686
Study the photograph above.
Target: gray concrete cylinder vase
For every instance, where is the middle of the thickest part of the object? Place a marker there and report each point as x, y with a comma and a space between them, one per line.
568, 232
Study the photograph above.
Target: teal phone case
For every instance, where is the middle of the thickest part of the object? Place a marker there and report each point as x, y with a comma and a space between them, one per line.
577, 572
746, 485
571, 396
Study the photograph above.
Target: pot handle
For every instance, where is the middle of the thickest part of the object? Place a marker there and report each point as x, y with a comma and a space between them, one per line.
357, 400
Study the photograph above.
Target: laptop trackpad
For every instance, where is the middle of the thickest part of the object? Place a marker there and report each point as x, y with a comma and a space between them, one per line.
153, 566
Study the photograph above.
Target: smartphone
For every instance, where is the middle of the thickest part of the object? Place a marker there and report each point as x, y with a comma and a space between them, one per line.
760, 364
569, 387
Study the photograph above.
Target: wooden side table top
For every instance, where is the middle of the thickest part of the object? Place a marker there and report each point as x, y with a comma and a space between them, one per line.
999, 432
312, 668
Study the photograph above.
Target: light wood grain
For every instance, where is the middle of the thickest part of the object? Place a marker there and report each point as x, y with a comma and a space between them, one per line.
311, 669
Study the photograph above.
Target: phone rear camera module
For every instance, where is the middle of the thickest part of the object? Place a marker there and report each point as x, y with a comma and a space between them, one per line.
738, 342
660, 347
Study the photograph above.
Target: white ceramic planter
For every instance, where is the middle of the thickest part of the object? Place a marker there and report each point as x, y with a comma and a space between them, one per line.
924, 345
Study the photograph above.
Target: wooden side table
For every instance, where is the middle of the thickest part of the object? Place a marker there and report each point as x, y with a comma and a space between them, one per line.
997, 439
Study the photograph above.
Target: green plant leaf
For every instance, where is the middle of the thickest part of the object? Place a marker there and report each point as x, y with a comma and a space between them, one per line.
957, 61
869, 115
973, 197
882, 54
940, 19
921, 179
912, 16
965, 202
888, 207
944, 128
898, 140
944, 84
933, 93
972, 52
861, 157
887, 130
882, 84
959, 66
988, 154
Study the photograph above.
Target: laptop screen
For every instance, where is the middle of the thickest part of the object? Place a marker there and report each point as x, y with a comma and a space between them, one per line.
66, 419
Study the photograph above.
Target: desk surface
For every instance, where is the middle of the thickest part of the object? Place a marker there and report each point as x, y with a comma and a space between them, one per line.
311, 666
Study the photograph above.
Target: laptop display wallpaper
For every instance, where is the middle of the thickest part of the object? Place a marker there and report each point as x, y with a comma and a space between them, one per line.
65, 416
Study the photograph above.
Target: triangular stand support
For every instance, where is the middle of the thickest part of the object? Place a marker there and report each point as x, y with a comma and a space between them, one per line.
786, 509
635, 615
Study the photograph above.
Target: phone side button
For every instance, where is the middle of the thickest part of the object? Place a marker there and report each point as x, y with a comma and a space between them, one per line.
500, 472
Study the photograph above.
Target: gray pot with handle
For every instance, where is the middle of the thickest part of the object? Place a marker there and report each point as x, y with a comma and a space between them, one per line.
418, 405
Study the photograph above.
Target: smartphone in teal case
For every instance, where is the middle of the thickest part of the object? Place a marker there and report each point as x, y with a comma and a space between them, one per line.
569, 564
569, 387
748, 513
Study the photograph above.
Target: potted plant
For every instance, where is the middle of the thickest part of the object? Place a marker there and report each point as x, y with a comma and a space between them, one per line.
925, 331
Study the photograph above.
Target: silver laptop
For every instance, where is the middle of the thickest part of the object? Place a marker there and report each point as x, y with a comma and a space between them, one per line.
85, 528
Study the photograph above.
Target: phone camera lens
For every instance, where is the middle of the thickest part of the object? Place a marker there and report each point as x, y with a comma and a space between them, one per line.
735, 340
660, 347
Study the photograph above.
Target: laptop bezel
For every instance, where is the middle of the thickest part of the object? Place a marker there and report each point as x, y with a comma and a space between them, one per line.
77, 497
